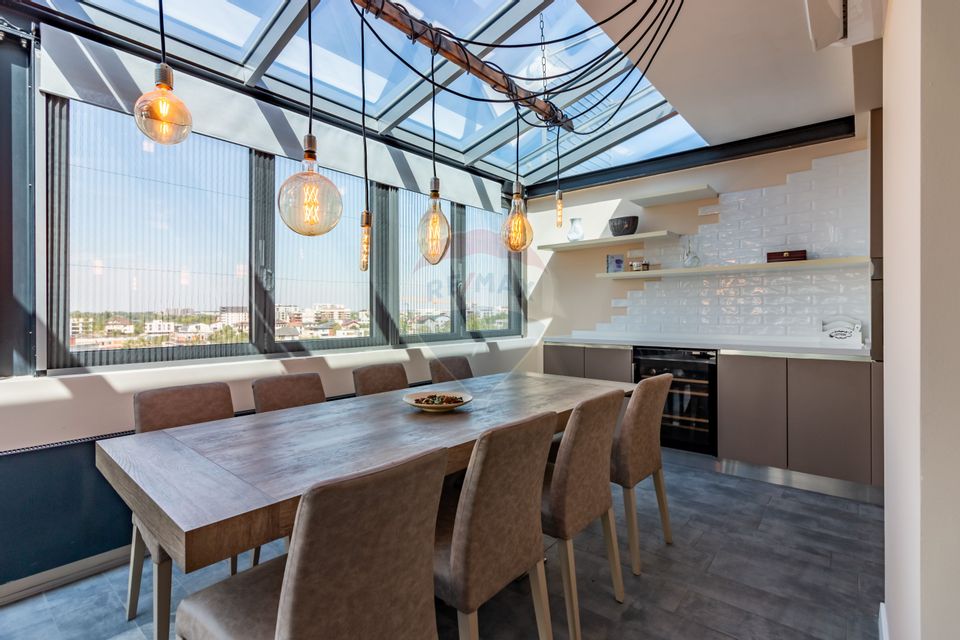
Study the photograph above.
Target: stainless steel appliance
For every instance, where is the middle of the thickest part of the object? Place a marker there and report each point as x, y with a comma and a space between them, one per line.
690, 413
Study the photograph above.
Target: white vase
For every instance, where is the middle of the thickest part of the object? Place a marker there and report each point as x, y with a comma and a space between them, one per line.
576, 230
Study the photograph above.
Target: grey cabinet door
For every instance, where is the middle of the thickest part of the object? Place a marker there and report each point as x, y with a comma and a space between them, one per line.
563, 360
610, 363
752, 410
828, 410
876, 423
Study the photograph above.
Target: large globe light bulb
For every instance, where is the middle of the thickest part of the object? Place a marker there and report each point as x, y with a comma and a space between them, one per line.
309, 203
160, 115
516, 232
433, 232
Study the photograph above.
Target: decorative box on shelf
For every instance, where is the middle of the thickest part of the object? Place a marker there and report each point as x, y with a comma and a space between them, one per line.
787, 256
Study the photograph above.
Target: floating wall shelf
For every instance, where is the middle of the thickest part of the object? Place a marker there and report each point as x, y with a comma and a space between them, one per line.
799, 265
670, 197
612, 241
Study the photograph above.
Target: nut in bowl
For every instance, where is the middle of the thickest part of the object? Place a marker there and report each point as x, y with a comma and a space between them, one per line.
437, 402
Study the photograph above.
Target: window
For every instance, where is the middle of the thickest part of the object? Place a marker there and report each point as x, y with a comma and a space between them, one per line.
320, 292
158, 238
168, 253
426, 306
487, 283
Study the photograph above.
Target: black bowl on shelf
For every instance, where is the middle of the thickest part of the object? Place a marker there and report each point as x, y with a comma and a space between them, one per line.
624, 226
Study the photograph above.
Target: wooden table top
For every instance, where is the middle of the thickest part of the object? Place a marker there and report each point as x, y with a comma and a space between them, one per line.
210, 490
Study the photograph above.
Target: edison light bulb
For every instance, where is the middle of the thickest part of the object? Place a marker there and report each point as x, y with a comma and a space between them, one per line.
364, 240
433, 232
310, 204
160, 115
517, 233
559, 201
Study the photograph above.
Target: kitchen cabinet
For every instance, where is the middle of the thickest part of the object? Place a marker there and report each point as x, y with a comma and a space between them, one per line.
876, 423
563, 360
608, 363
752, 410
829, 418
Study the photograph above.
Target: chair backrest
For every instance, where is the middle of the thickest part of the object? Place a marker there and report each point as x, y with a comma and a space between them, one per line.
452, 368
580, 486
377, 378
177, 406
636, 445
360, 563
497, 534
284, 392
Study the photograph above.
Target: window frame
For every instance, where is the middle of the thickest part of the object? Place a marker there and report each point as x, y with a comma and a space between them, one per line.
384, 284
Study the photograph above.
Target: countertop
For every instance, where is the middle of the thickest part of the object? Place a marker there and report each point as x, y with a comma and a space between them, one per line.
726, 346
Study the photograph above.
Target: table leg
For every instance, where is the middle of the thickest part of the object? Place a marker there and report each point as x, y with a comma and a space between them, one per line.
162, 574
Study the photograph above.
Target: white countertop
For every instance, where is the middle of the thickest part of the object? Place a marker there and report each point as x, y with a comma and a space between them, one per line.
764, 347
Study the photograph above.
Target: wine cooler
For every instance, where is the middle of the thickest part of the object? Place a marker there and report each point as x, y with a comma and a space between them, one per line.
690, 413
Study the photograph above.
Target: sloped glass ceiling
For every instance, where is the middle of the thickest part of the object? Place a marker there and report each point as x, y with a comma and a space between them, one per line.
482, 134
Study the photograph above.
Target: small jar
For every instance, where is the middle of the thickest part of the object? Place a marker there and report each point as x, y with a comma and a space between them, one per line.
576, 230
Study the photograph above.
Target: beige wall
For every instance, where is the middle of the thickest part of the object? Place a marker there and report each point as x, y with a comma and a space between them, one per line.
36, 411
565, 294
922, 304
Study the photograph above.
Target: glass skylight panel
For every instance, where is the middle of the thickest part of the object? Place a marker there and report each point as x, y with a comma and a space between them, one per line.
336, 51
673, 136
228, 28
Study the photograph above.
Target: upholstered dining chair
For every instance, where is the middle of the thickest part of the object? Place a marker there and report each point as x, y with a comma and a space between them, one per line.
636, 456
449, 369
287, 391
576, 492
490, 533
359, 566
378, 378
165, 408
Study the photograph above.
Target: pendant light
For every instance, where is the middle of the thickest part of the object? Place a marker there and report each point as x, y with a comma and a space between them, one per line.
309, 203
516, 232
159, 114
559, 194
365, 217
433, 232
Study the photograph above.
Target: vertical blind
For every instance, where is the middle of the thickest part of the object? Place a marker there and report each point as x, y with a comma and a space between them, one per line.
487, 273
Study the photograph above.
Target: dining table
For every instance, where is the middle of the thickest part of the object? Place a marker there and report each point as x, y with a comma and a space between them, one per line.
205, 492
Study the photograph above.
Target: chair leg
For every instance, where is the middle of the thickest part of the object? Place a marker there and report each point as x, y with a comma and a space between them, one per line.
233, 565
568, 571
256, 556
662, 503
633, 528
467, 623
137, 551
541, 601
613, 553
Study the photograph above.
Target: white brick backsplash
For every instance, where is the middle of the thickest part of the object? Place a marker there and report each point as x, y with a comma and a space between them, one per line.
824, 210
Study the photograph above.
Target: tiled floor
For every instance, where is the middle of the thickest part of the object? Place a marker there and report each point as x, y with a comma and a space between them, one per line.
750, 560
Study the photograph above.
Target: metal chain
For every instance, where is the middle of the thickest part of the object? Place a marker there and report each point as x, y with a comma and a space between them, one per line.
543, 55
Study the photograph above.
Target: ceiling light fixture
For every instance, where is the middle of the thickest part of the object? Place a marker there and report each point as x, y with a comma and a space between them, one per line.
516, 232
433, 232
559, 194
309, 203
365, 218
159, 114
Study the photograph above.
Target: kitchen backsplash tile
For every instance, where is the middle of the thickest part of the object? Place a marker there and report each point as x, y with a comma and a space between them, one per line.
824, 210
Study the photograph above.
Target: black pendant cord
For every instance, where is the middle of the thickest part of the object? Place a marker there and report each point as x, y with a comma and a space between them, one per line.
310, 63
363, 114
163, 36
517, 177
433, 111
558, 158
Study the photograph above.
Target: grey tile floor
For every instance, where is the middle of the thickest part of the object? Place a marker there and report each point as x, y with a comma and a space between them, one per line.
750, 560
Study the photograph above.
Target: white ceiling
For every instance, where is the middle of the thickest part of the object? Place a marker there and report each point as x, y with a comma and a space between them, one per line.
741, 68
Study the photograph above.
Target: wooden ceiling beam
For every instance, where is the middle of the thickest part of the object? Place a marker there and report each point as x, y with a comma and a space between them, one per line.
428, 36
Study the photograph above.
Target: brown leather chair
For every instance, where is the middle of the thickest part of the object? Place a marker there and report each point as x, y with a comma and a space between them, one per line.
359, 566
165, 408
287, 391
636, 455
378, 378
576, 492
490, 533
449, 369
